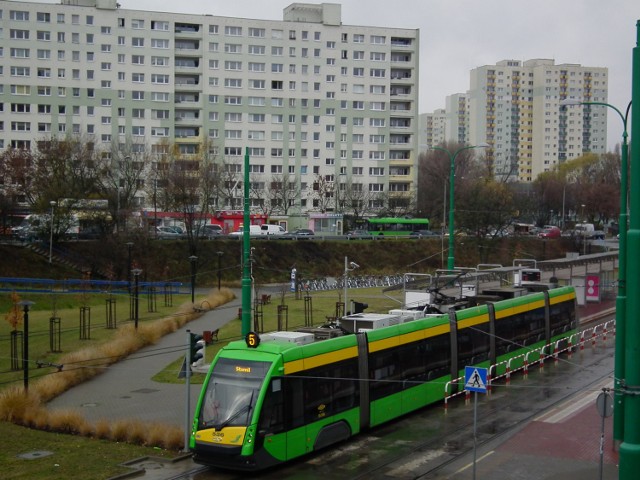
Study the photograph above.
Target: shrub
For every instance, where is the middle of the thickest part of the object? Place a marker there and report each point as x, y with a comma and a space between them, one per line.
67, 421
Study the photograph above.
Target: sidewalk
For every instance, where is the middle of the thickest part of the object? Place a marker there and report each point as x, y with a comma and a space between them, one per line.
562, 444
125, 389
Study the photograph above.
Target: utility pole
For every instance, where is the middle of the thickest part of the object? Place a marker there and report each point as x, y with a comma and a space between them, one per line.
630, 384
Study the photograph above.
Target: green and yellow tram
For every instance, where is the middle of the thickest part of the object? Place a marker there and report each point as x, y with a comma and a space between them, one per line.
271, 399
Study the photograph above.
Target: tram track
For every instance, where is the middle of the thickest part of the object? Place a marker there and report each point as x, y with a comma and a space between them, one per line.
495, 409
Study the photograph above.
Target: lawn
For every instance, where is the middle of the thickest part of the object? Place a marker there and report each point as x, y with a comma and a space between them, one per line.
71, 456
49, 340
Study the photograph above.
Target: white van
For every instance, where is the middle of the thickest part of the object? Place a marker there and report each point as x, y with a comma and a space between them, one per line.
253, 230
267, 229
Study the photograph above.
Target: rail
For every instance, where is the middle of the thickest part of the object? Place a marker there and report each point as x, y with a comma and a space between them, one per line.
46, 285
525, 360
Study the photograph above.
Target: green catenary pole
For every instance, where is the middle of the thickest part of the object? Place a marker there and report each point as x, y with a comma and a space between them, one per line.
621, 298
452, 177
630, 384
246, 253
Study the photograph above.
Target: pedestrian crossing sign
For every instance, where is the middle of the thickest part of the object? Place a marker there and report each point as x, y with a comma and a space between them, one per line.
475, 379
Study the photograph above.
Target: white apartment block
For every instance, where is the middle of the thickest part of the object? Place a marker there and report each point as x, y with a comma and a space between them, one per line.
515, 107
457, 127
432, 128
307, 96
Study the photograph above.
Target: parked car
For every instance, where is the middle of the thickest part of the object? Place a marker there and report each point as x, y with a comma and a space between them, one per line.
167, 233
211, 231
302, 233
423, 233
358, 234
550, 232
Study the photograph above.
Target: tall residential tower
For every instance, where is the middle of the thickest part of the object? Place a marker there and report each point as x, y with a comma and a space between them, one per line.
309, 97
514, 106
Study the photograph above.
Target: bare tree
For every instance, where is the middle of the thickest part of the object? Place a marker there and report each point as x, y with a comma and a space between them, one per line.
190, 186
323, 194
434, 168
283, 192
230, 188
125, 170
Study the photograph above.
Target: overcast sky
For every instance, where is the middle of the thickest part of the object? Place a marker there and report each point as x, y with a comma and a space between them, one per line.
458, 35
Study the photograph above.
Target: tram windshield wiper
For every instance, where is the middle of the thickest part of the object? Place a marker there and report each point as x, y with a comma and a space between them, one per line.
245, 408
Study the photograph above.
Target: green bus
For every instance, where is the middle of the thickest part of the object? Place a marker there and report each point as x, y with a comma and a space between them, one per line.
270, 399
396, 226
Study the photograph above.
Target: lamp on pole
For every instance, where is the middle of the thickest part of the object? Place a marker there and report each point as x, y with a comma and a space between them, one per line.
25, 351
621, 298
348, 267
136, 273
219, 267
452, 174
193, 260
53, 204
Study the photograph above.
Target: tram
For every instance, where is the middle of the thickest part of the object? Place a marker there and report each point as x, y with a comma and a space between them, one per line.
275, 397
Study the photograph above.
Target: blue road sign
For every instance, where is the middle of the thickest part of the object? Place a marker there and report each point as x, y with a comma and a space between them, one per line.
475, 379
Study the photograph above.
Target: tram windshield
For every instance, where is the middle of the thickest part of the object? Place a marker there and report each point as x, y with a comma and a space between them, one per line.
231, 393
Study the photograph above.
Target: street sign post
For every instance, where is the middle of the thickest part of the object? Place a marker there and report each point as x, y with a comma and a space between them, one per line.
475, 380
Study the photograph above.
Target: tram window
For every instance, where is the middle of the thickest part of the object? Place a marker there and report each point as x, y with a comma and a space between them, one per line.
473, 344
294, 402
329, 390
562, 317
421, 361
272, 415
385, 373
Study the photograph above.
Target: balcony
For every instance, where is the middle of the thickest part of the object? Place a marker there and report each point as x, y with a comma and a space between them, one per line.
185, 47
400, 58
186, 64
400, 74
186, 29
401, 42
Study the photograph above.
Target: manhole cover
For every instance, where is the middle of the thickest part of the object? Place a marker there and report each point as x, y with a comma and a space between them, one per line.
35, 454
145, 390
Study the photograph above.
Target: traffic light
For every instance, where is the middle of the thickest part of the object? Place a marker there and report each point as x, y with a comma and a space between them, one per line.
358, 307
196, 349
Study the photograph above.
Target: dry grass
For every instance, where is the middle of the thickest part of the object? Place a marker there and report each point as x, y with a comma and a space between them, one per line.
15, 404
28, 408
67, 421
102, 429
119, 430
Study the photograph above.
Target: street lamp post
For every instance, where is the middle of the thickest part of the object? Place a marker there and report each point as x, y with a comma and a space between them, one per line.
630, 378
621, 298
353, 265
53, 204
25, 351
136, 273
219, 267
452, 174
193, 260
129, 247
584, 232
